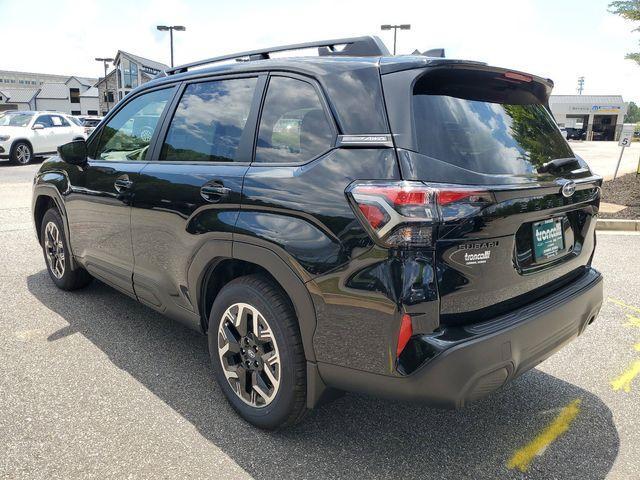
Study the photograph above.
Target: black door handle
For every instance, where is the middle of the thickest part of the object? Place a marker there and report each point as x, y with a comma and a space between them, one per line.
214, 192
122, 183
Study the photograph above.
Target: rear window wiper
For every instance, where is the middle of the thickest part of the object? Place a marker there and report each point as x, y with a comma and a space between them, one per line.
557, 164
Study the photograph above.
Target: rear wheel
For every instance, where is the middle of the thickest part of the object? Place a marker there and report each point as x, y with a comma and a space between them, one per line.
256, 352
21, 153
57, 255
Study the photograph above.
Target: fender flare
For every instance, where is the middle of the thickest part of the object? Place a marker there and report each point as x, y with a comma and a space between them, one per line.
41, 189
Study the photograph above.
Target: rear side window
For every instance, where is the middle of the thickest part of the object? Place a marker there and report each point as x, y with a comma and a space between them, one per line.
209, 121
294, 127
484, 123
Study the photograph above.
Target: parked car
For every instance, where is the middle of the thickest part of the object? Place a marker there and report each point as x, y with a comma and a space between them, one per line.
409, 227
89, 122
25, 134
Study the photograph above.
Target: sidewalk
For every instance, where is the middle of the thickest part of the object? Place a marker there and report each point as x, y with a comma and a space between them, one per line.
603, 156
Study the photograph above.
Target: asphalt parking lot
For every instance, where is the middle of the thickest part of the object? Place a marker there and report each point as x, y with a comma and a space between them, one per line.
93, 384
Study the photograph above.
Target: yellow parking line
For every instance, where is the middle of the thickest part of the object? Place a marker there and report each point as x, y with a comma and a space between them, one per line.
633, 321
524, 456
623, 382
622, 304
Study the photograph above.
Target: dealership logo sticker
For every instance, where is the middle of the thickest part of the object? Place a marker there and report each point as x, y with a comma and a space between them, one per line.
477, 258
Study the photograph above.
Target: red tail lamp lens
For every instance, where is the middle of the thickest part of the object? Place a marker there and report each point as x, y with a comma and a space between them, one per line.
373, 214
406, 331
518, 76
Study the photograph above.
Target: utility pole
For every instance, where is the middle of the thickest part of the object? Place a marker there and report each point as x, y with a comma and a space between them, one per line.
105, 62
395, 31
580, 85
171, 28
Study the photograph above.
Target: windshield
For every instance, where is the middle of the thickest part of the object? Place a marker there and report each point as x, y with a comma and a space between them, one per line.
485, 131
15, 119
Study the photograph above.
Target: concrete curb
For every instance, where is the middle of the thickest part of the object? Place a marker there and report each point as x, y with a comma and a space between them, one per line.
619, 225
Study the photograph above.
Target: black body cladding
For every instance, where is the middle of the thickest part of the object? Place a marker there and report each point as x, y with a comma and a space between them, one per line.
168, 214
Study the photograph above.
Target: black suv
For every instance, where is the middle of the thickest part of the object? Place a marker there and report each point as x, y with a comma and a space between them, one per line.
407, 226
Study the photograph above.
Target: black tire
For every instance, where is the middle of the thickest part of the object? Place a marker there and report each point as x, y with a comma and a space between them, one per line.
21, 153
288, 406
69, 279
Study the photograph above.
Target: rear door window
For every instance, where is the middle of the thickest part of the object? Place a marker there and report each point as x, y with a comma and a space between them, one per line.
294, 127
485, 124
209, 122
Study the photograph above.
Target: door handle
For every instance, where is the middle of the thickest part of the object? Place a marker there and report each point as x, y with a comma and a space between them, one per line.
122, 183
214, 192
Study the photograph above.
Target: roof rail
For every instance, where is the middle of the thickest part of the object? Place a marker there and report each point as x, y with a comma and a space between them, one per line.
367, 46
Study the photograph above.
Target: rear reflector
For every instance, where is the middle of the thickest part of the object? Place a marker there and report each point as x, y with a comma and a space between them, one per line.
406, 331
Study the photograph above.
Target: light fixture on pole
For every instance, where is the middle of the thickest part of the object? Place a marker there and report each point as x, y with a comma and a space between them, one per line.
171, 28
395, 28
105, 62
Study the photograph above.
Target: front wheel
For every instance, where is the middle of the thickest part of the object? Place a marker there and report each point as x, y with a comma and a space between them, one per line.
256, 352
21, 153
57, 254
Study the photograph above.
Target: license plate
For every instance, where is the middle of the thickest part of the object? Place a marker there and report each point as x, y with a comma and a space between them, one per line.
548, 239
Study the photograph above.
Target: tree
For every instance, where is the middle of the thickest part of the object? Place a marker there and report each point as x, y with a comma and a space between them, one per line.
630, 10
633, 114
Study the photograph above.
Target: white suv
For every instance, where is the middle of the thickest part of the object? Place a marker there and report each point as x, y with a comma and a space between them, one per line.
24, 135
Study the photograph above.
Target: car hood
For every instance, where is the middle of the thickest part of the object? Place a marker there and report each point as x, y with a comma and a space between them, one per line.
6, 130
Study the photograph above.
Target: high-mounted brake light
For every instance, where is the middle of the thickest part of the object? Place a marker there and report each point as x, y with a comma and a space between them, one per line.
405, 214
518, 76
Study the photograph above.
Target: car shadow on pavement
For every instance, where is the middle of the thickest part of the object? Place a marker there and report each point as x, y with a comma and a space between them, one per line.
353, 437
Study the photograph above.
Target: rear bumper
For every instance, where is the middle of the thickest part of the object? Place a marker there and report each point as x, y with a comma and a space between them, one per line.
469, 362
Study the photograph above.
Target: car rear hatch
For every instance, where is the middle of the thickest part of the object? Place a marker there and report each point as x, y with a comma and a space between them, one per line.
516, 208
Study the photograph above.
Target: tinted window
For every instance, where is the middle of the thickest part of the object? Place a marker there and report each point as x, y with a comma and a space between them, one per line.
129, 132
294, 127
45, 121
485, 125
209, 121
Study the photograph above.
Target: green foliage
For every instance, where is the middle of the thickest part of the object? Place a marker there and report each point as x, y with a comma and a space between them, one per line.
633, 114
629, 10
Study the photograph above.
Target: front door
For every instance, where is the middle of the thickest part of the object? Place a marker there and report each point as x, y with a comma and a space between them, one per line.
43, 140
102, 192
187, 202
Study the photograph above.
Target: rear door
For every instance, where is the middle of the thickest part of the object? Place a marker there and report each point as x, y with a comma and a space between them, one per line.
187, 201
62, 131
490, 131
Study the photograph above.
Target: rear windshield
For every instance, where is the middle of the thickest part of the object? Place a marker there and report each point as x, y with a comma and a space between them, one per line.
485, 123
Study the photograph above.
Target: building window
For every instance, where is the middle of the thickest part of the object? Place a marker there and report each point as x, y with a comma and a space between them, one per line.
76, 112
74, 95
108, 97
120, 95
129, 74
92, 112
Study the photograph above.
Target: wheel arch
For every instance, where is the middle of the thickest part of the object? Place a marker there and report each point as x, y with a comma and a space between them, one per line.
23, 140
247, 259
47, 194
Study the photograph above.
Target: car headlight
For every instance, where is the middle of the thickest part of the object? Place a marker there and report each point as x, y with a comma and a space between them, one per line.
4, 138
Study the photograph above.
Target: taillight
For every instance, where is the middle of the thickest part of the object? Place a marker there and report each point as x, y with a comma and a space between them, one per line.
406, 214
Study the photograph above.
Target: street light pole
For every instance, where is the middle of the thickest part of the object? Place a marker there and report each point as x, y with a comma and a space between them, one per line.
105, 62
171, 28
395, 28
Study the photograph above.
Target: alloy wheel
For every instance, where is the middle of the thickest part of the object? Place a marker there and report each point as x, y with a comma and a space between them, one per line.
54, 249
249, 355
23, 154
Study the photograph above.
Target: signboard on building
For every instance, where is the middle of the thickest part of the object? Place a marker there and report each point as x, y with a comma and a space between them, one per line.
599, 109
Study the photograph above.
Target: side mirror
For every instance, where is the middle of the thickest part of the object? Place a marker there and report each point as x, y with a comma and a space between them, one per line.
74, 152
37, 126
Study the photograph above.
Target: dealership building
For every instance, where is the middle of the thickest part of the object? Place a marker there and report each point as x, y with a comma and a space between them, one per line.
596, 117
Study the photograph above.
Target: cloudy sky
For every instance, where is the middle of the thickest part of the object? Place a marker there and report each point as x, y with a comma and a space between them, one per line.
557, 39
